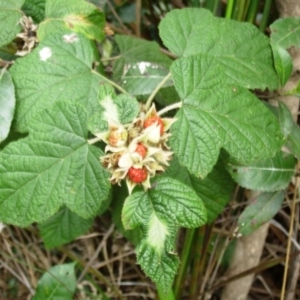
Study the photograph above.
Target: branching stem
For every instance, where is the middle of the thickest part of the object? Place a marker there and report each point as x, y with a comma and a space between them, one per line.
151, 97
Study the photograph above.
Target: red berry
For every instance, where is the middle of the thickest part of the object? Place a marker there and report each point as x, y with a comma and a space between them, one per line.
153, 120
137, 175
141, 150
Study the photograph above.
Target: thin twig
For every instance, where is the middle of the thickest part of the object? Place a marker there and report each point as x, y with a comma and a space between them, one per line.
96, 254
138, 9
288, 250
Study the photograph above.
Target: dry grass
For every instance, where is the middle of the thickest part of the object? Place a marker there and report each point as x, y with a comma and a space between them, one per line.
106, 261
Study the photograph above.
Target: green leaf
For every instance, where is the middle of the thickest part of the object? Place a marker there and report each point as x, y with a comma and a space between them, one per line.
215, 190
63, 228
77, 15
160, 211
160, 268
283, 64
35, 9
7, 103
128, 107
58, 283
293, 141
55, 70
54, 166
286, 32
215, 115
242, 52
170, 200
141, 67
272, 174
261, 210
285, 119
10, 16
118, 109
120, 193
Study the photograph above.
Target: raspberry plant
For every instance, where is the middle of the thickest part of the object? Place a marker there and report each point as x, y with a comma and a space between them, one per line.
84, 133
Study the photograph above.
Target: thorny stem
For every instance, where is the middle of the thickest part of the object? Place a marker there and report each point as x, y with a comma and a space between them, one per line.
169, 107
119, 88
151, 97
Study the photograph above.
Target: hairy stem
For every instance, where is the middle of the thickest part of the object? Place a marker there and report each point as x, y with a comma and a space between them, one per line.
119, 88
151, 97
169, 107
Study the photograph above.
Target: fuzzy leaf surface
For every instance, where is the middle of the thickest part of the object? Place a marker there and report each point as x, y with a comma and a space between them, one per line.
52, 167
58, 283
10, 15
63, 227
168, 205
215, 190
241, 50
285, 32
161, 268
7, 103
77, 15
141, 67
261, 210
268, 175
169, 199
55, 70
35, 9
215, 115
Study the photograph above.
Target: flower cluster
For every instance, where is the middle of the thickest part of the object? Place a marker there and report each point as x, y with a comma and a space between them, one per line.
28, 35
135, 152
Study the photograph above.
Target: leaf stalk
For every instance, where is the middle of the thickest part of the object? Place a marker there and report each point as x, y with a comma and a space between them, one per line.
151, 97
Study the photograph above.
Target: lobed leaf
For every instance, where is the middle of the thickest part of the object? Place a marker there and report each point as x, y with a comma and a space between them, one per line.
56, 70
77, 15
169, 199
59, 282
160, 268
7, 103
63, 228
10, 16
141, 67
35, 9
268, 175
215, 115
215, 190
242, 52
54, 166
261, 210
